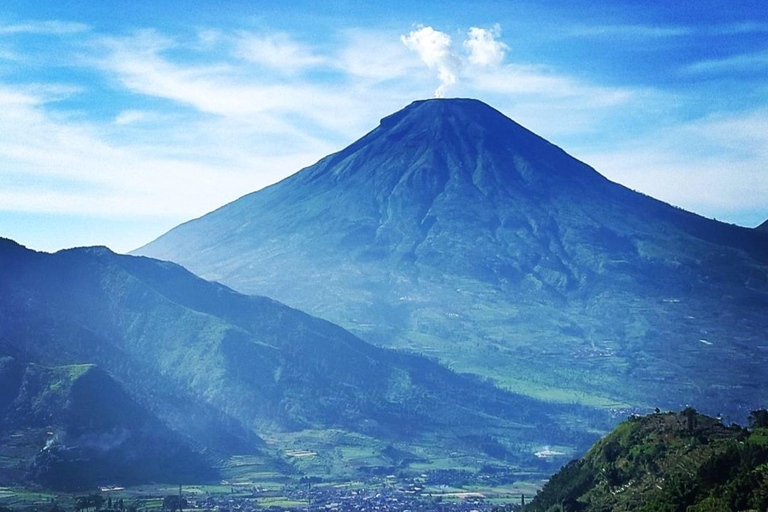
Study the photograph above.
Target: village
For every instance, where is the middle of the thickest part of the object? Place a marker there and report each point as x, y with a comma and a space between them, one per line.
333, 499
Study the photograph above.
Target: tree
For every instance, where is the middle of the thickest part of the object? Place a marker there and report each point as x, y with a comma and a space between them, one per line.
174, 502
92, 501
758, 419
690, 415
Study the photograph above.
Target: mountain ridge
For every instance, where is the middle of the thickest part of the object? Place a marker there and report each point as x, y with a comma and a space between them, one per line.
246, 366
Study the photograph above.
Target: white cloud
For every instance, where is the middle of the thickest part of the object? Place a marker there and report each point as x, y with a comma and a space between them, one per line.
748, 62
484, 50
632, 31
646, 32
208, 38
277, 51
714, 166
228, 90
45, 28
541, 81
155, 178
731, 29
8, 55
133, 116
375, 56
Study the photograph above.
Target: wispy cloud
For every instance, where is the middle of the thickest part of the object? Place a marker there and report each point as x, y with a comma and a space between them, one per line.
52, 27
374, 56
532, 80
715, 166
666, 31
226, 89
123, 180
631, 31
8, 55
731, 29
748, 62
134, 116
277, 51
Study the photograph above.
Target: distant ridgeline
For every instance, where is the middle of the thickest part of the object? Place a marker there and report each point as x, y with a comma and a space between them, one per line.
683, 462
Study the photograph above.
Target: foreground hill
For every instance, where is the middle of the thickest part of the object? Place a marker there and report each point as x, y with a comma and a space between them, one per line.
452, 231
666, 462
220, 368
73, 427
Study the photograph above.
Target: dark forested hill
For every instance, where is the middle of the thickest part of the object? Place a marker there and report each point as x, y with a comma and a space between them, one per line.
452, 231
666, 462
219, 368
73, 427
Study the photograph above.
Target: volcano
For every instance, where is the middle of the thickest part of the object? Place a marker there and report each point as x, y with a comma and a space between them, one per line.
454, 232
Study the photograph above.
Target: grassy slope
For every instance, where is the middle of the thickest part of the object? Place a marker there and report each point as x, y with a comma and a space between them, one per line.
664, 463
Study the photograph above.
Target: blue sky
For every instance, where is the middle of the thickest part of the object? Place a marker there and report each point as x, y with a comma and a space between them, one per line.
119, 120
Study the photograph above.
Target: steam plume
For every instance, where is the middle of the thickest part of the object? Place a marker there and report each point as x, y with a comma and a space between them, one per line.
435, 48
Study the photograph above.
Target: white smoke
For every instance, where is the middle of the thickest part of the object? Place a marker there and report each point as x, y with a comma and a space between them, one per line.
436, 50
51, 441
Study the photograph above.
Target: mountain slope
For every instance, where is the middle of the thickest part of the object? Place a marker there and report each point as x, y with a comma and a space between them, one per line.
451, 231
73, 427
668, 461
221, 367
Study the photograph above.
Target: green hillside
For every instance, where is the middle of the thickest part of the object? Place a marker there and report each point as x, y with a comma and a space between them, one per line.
667, 462
224, 370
